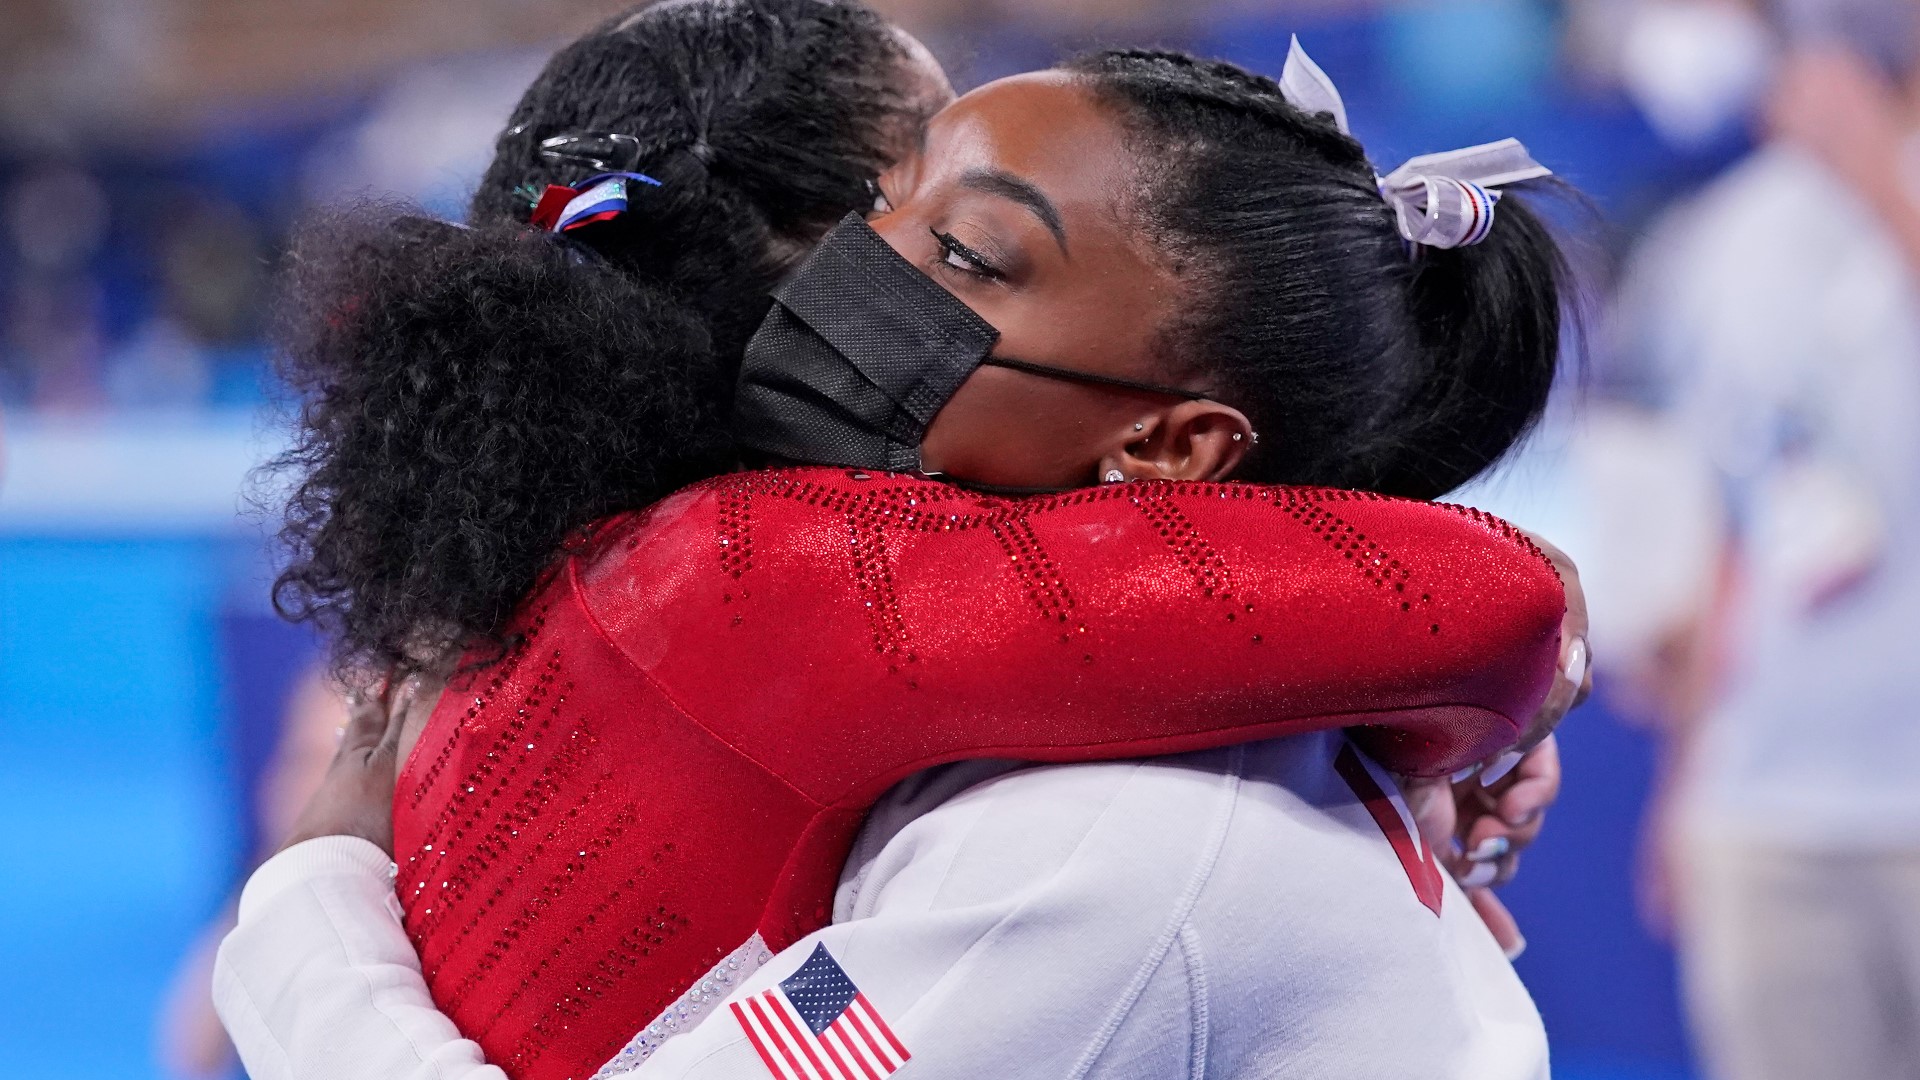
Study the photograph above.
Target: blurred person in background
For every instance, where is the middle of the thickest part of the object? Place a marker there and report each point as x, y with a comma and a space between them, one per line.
1780, 308
191, 1042
203, 331
53, 219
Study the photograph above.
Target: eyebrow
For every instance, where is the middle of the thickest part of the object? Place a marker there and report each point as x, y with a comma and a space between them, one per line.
1008, 186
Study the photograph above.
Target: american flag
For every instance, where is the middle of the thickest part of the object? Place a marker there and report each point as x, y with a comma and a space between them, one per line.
817, 1025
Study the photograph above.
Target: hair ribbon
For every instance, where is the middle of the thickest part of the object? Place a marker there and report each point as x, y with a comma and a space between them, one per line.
1442, 200
599, 198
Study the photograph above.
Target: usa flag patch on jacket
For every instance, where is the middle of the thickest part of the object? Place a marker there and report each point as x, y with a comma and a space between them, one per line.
817, 1025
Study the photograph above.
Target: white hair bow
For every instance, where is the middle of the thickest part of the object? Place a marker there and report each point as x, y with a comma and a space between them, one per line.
1441, 200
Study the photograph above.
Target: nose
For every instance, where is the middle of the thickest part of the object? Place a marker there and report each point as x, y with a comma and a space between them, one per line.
893, 227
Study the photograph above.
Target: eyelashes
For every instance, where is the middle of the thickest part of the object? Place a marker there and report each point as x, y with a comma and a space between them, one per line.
964, 259
958, 256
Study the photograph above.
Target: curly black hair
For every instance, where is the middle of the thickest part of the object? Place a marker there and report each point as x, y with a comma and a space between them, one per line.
472, 397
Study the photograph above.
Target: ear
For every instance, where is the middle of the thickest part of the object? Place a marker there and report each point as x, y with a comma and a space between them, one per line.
1194, 440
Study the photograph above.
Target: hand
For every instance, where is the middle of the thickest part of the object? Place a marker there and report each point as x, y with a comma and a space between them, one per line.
1575, 680
1478, 829
1478, 826
1495, 821
355, 798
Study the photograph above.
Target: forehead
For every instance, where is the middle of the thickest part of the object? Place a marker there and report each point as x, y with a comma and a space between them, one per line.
1045, 127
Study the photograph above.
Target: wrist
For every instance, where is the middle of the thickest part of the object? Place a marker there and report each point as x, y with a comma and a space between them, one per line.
312, 859
381, 839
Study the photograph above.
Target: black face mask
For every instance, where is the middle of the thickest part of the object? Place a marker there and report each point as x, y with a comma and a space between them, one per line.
858, 354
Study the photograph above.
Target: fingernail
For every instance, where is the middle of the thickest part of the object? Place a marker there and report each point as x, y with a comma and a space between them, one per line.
1518, 947
1493, 847
1480, 876
1464, 773
1521, 821
1575, 667
1501, 767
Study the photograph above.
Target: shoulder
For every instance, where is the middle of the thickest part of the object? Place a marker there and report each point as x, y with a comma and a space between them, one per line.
720, 530
1268, 850
1152, 829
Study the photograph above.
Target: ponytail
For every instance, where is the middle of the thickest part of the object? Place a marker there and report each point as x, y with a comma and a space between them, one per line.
1361, 360
1488, 317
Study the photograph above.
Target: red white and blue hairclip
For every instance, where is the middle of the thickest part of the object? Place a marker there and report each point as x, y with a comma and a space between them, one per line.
600, 198
1443, 200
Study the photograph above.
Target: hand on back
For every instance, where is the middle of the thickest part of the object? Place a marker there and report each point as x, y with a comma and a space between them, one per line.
355, 797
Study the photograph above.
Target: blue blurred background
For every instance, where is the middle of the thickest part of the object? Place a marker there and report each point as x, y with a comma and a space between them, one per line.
152, 159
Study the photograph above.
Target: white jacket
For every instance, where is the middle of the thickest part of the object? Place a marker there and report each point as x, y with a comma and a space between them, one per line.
1233, 913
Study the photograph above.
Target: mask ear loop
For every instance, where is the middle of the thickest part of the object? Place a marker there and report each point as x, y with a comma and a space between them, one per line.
1047, 371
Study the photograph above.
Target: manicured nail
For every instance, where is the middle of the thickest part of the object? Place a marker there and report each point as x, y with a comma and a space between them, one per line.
1464, 773
1575, 668
1518, 947
1501, 766
1480, 876
1493, 847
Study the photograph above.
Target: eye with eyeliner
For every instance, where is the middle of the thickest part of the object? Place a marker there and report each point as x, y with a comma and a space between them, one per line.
969, 260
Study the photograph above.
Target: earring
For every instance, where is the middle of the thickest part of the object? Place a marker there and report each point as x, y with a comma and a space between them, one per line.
1139, 427
1115, 476
1256, 438
1236, 436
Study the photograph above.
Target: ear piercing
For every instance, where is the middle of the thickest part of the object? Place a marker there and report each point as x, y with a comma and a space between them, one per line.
1139, 427
1115, 476
1236, 436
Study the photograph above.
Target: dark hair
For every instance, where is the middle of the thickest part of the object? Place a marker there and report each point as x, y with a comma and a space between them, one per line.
472, 397
1365, 365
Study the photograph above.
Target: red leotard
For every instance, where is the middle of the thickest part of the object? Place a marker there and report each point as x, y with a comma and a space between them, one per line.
710, 694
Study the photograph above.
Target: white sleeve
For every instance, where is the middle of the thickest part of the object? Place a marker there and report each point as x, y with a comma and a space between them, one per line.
984, 940
319, 980
982, 934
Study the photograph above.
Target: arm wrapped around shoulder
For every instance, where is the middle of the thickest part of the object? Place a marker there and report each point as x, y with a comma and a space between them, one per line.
850, 628
707, 696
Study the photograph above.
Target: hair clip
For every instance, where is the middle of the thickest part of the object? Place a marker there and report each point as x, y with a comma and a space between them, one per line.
608, 152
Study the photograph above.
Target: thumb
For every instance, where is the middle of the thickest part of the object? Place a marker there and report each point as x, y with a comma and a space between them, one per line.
374, 719
366, 724
394, 712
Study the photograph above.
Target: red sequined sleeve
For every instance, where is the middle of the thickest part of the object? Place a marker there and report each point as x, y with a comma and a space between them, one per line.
854, 628
660, 782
